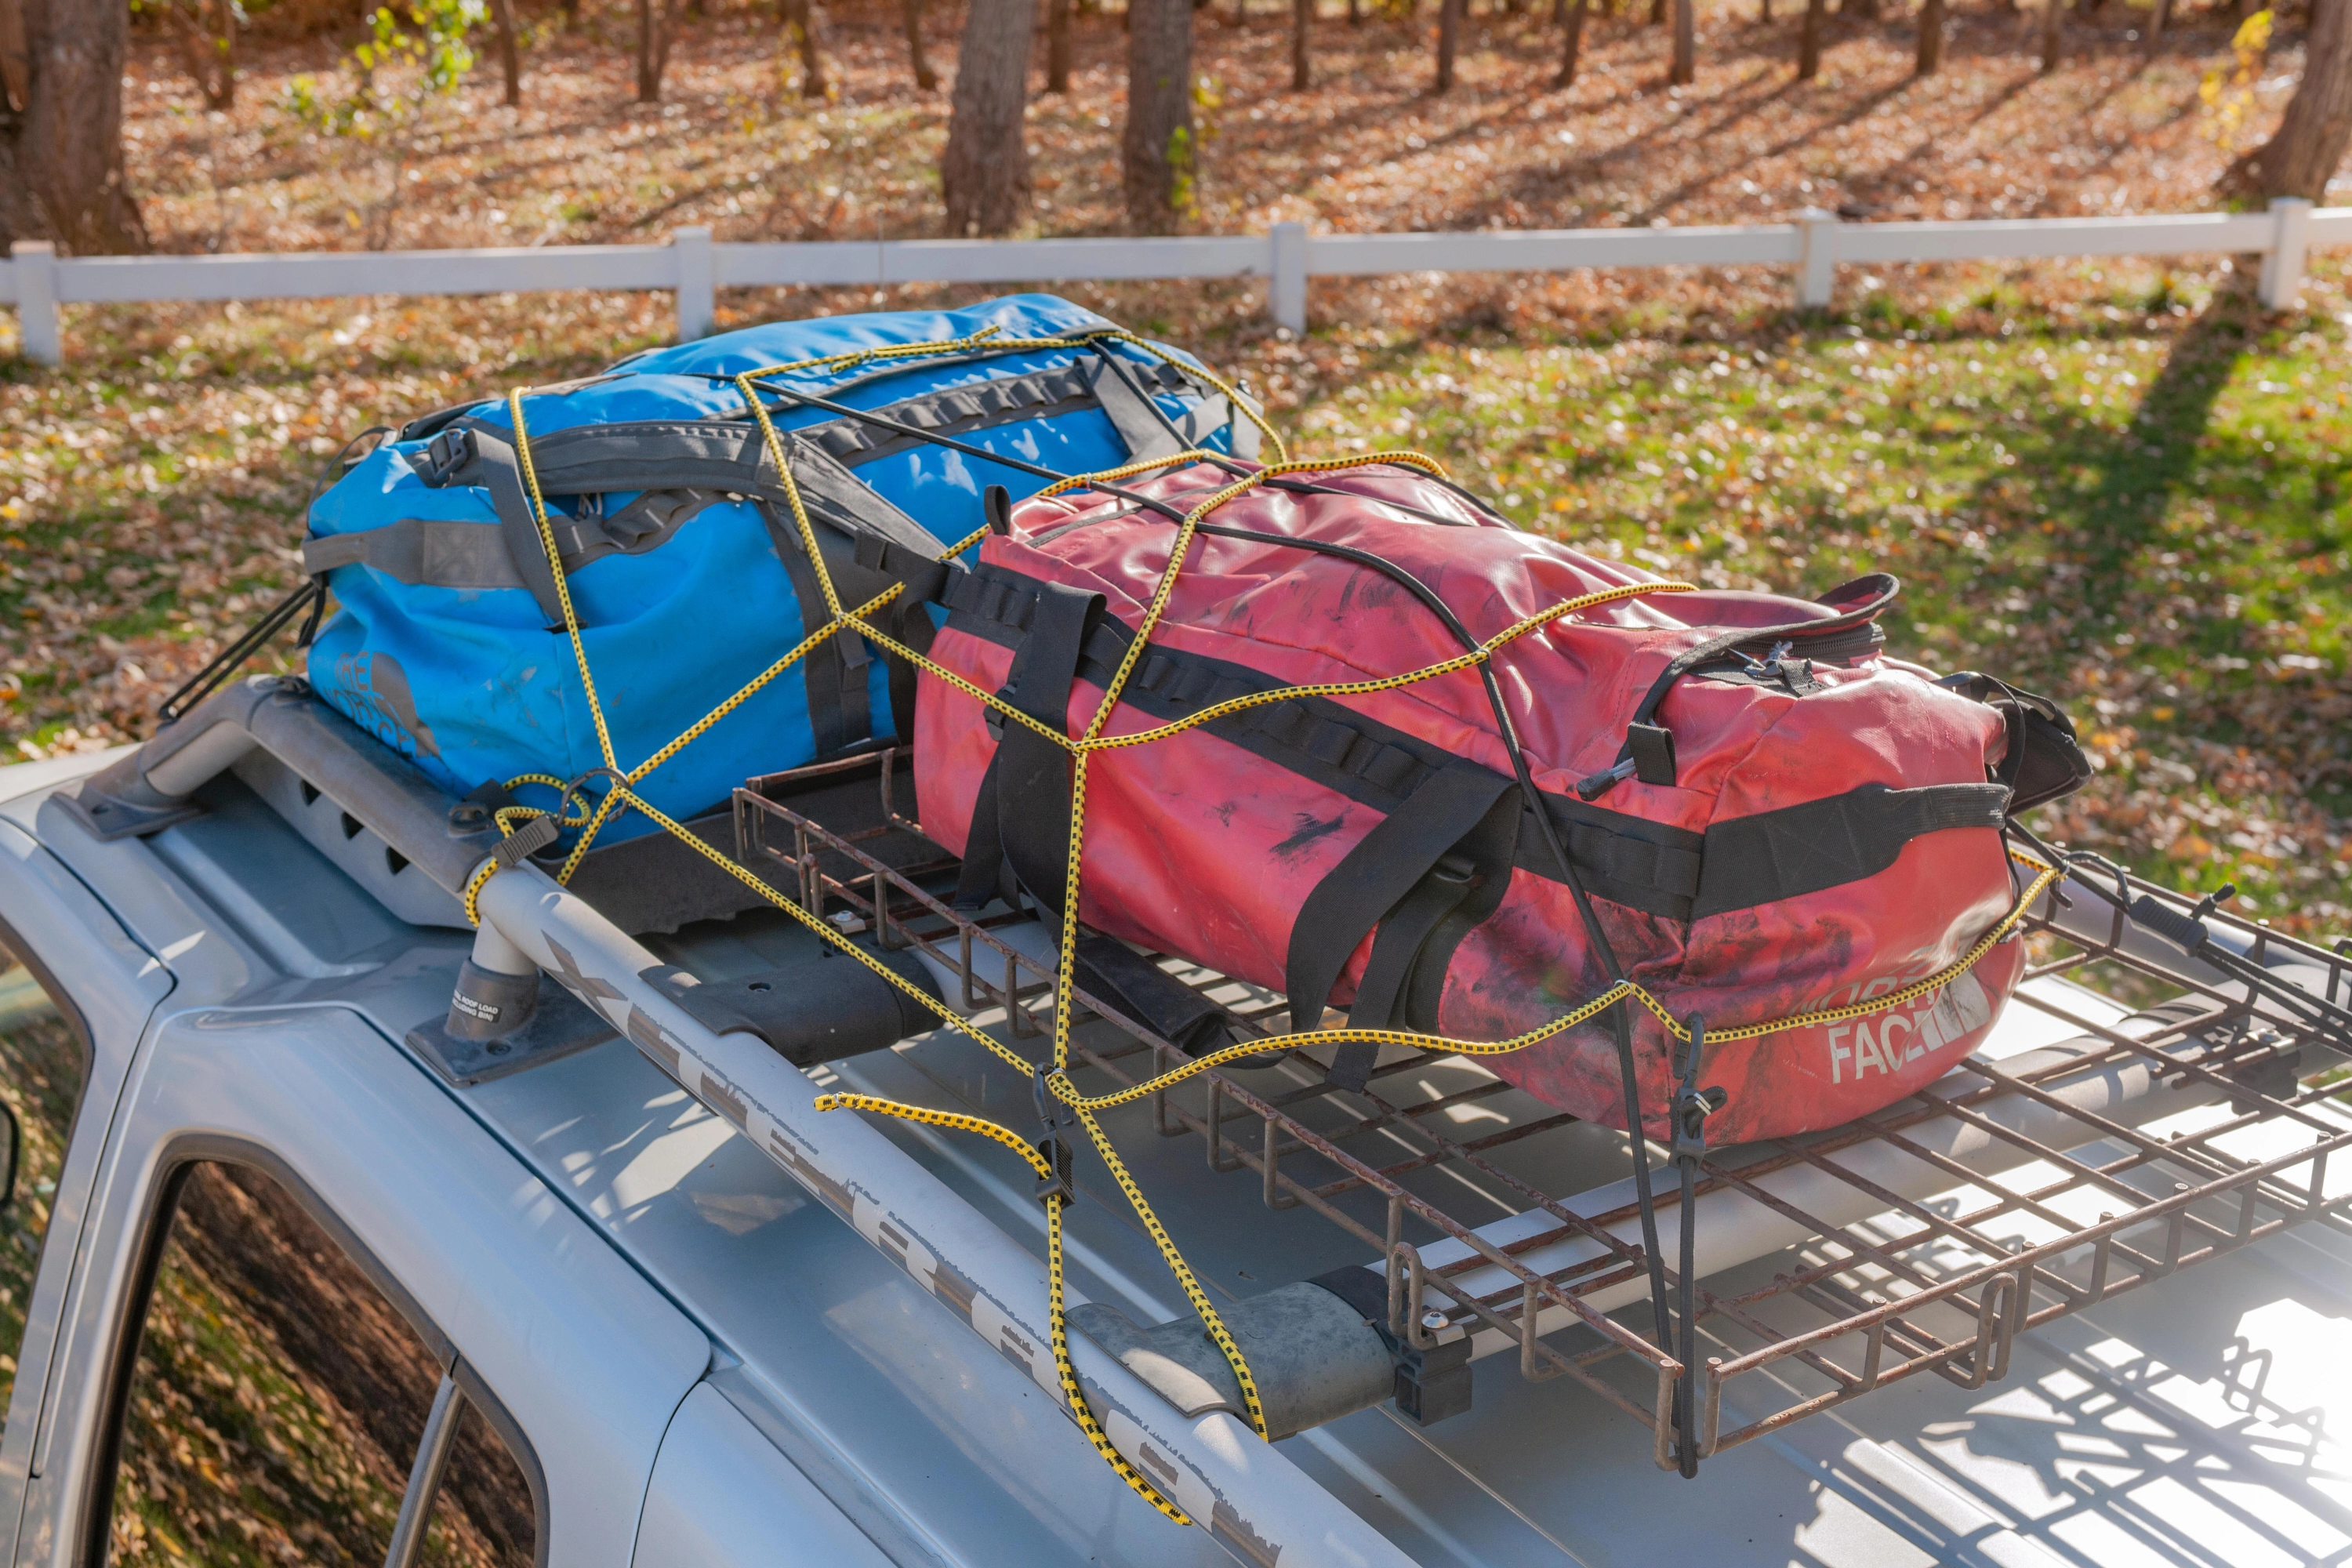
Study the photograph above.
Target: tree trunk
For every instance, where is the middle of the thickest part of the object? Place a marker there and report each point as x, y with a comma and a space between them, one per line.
1809, 41
1161, 168
1764, 12
648, 54
1931, 38
1449, 30
1685, 70
801, 31
210, 54
1867, 9
223, 96
1355, 13
1571, 41
1057, 46
61, 174
1657, 13
2309, 144
985, 173
15, 59
2155, 20
2054, 34
926, 78
1302, 17
509, 55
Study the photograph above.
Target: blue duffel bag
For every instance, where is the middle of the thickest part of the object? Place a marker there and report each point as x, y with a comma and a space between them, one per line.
686, 569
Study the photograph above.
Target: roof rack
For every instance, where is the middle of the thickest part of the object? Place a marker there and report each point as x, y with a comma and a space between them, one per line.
2010, 1194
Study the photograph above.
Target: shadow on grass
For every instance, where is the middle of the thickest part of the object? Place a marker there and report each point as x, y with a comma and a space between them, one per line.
2109, 491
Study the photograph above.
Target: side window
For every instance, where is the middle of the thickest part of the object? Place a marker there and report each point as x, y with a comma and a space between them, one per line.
281, 1410
44, 1067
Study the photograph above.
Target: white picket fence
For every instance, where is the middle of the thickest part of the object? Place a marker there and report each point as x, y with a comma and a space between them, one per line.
691, 266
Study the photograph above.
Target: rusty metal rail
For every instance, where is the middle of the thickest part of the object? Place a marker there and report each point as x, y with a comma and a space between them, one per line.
1940, 1286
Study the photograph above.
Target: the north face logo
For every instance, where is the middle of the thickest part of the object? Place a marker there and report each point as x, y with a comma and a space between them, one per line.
372, 689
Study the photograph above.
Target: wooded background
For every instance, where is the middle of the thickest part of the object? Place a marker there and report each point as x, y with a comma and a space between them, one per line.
365, 97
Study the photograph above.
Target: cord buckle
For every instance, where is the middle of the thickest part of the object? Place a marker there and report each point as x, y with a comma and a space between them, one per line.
1055, 1148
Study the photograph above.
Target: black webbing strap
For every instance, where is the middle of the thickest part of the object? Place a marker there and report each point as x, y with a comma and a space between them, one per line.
979, 406
1404, 976
634, 455
502, 476
1374, 879
1490, 847
981, 876
833, 493
457, 553
1822, 844
1141, 424
1020, 835
1116, 973
439, 552
1032, 774
839, 713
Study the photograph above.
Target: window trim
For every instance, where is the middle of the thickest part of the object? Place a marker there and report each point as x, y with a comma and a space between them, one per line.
178, 1158
14, 946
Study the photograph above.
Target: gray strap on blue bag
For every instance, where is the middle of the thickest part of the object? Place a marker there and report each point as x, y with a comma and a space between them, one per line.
502, 476
429, 551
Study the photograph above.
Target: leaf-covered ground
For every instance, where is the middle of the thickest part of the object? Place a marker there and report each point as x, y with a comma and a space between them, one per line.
733, 144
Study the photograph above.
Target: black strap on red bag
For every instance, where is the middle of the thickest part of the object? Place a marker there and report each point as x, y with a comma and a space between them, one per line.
1019, 846
1423, 877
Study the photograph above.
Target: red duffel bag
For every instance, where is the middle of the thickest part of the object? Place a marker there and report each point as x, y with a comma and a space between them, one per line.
1768, 815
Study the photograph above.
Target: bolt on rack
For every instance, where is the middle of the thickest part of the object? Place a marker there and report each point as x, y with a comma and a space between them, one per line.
1890, 1279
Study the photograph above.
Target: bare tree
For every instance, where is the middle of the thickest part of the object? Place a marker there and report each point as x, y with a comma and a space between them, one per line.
1931, 38
1684, 68
1449, 30
801, 32
1809, 40
1302, 17
1570, 44
985, 173
207, 34
926, 78
61, 175
1161, 161
1057, 46
510, 51
2307, 147
15, 59
655, 19
2054, 34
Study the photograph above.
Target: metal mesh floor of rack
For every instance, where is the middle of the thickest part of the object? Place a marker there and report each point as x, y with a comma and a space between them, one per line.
2103, 1152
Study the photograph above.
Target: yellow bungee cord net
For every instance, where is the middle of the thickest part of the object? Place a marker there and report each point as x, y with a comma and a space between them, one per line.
1083, 1109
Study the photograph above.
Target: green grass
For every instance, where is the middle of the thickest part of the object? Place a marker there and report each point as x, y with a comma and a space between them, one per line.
2142, 513
2121, 486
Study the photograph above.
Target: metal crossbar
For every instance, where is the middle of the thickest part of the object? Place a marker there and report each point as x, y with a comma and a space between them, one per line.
1939, 1283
